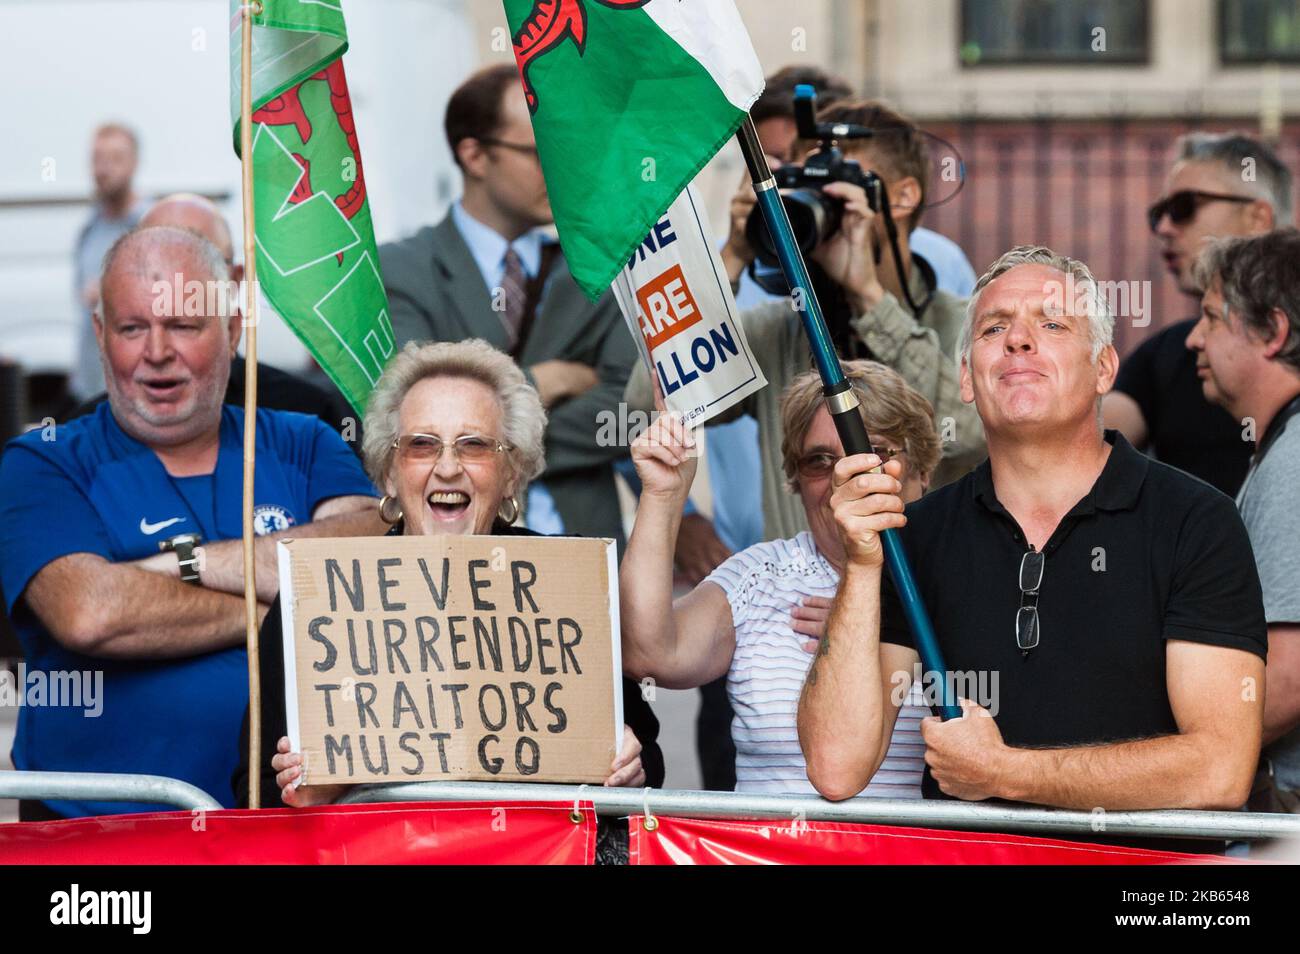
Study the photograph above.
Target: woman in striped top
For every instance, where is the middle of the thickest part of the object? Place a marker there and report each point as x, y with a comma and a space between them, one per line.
757, 617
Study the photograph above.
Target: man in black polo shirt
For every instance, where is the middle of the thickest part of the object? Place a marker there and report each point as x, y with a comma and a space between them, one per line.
1110, 602
1220, 185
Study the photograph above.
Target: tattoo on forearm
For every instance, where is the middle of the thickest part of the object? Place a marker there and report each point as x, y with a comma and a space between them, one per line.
823, 649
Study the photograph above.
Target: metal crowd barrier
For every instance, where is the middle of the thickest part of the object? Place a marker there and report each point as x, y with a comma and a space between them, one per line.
914, 813
105, 787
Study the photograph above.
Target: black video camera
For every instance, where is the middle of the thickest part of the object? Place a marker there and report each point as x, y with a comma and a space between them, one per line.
815, 216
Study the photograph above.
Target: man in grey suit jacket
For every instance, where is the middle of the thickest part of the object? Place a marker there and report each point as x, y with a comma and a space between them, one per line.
486, 271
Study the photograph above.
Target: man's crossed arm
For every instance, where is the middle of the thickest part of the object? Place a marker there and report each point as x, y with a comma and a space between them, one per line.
142, 610
117, 610
221, 565
1216, 697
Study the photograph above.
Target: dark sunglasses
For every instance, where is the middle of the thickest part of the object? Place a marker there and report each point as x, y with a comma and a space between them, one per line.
1031, 578
1182, 206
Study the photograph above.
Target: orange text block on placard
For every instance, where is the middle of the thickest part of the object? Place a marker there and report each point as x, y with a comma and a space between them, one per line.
667, 307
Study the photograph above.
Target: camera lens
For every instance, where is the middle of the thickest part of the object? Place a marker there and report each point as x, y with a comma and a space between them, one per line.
814, 218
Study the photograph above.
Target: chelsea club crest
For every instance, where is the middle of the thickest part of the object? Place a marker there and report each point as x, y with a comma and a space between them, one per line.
268, 518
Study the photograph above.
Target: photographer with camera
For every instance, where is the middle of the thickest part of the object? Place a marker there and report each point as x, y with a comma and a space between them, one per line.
879, 297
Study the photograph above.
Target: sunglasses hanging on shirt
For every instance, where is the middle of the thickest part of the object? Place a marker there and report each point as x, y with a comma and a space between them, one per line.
1031, 578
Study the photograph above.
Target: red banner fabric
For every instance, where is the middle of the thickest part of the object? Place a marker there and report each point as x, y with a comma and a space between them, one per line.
461, 833
695, 841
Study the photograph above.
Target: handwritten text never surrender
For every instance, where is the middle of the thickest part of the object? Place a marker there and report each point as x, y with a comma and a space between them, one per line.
484, 664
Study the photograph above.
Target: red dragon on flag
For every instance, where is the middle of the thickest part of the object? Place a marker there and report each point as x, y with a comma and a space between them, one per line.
317, 259
549, 24
287, 110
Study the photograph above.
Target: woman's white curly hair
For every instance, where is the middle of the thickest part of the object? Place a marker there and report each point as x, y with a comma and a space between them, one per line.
522, 414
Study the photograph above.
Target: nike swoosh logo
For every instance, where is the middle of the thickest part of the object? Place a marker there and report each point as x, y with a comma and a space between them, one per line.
148, 529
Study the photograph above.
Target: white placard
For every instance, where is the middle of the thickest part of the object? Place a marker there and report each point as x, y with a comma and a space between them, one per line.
675, 297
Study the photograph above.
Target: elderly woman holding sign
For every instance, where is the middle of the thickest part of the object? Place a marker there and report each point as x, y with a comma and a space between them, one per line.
453, 435
755, 618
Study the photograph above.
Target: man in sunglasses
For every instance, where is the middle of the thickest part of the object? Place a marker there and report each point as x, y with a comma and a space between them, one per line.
492, 270
1221, 185
1247, 350
1108, 603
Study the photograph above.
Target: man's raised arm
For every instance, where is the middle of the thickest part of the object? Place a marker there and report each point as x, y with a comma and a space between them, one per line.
844, 727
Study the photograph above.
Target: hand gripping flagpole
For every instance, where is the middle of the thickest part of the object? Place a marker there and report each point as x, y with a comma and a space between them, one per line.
248, 11
840, 400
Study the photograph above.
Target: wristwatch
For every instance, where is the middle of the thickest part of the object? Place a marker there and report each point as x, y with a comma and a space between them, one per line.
184, 545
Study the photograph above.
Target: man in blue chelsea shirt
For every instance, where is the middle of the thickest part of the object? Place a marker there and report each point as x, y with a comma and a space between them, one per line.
119, 533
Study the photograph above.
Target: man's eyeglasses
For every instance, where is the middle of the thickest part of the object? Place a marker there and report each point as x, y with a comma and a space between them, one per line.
1182, 206
517, 147
470, 449
1031, 578
816, 466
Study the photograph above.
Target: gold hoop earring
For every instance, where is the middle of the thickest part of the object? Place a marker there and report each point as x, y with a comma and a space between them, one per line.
383, 510
514, 509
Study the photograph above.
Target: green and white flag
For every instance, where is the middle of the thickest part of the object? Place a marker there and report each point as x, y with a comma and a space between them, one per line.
317, 263
630, 99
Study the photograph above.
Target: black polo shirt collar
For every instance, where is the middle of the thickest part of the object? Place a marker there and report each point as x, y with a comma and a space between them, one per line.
1117, 487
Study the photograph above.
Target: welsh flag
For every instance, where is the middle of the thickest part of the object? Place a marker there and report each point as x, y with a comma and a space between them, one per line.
317, 263
630, 99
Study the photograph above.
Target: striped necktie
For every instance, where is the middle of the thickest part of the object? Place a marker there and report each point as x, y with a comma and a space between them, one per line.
514, 284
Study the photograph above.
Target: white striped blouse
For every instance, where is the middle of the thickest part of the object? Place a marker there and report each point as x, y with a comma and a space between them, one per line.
764, 584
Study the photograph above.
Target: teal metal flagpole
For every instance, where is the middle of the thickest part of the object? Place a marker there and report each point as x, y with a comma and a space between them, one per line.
840, 400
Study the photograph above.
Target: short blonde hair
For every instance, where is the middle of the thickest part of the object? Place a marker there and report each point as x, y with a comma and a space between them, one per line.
522, 414
887, 403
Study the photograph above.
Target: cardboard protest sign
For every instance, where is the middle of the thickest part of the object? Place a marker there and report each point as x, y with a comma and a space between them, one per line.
675, 297
451, 657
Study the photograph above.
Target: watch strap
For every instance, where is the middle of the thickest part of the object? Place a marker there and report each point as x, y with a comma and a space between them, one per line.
185, 547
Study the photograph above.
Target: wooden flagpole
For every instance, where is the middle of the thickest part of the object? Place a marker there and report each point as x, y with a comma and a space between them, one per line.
248, 11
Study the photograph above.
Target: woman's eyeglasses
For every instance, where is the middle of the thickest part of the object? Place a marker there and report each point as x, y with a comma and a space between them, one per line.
470, 449
1182, 206
1031, 578
815, 466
